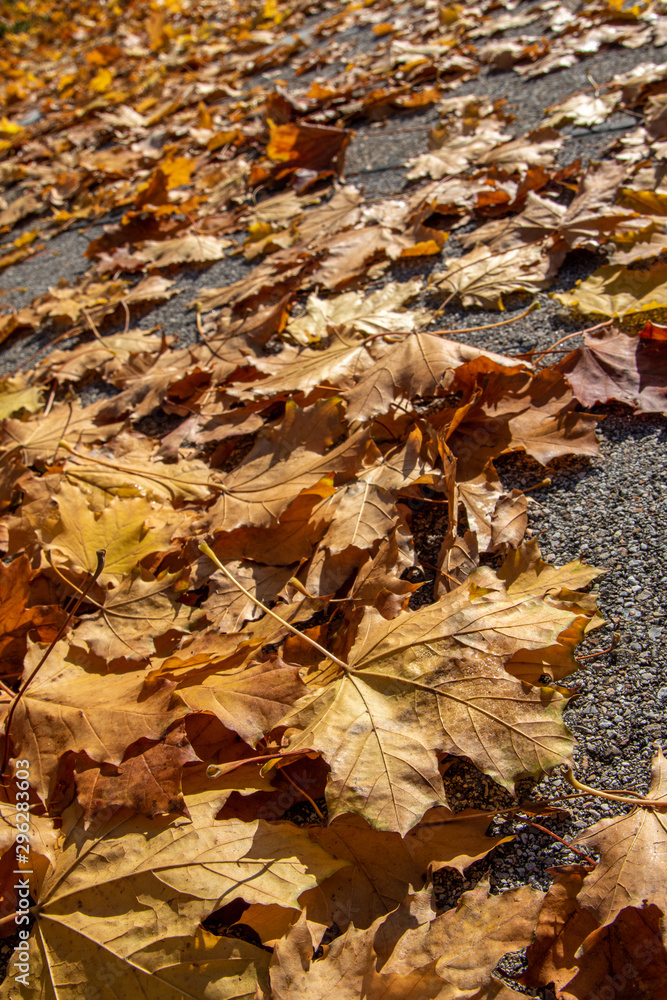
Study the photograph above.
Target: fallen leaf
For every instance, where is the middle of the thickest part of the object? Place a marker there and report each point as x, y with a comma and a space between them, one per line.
351, 313
67, 709
450, 959
385, 867
303, 145
583, 109
182, 250
618, 291
633, 855
425, 680
127, 530
19, 619
194, 863
147, 781
17, 395
130, 470
459, 150
133, 616
614, 366
532, 413
482, 277
414, 367
250, 699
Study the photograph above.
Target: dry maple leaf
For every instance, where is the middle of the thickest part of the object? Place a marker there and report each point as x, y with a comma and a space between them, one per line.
519, 411
614, 366
167, 669
277, 276
379, 581
458, 151
347, 971
16, 395
147, 781
384, 867
539, 218
130, 470
414, 367
628, 952
306, 145
350, 253
465, 943
43, 833
536, 149
483, 276
73, 365
525, 573
340, 212
260, 489
132, 616
448, 957
228, 607
583, 109
432, 679
337, 361
127, 529
250, 699
360, 514
633, 855
182, 250
591, 215
618, 291
350, 312
561, 928
128, 918
67, 708
39, 438
17, 618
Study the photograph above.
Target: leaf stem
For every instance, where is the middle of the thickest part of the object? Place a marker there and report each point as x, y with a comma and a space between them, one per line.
644, 803
208, 551
449, 333
218, 770
570, 847
615, 639
304, 793
101, 555
579, 333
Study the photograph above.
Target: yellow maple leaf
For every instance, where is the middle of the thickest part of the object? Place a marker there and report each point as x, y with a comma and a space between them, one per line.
177, 170
9, 128
123, 529
101, 81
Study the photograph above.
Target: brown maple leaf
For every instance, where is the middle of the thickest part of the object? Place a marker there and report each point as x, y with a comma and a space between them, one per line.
432, 679
614, 366
19, 619
633, 855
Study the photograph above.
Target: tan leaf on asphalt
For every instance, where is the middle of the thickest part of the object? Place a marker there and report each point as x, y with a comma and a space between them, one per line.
633, 855
350, 312
182, 250
432, 680
482, 276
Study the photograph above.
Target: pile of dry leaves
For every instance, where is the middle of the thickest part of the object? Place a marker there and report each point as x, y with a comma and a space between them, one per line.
203, 629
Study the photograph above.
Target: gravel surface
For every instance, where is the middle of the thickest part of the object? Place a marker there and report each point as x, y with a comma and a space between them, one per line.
610, 511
